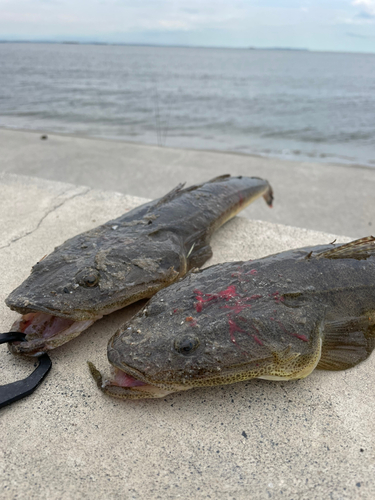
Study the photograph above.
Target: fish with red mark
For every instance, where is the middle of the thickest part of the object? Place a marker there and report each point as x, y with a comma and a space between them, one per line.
323, 318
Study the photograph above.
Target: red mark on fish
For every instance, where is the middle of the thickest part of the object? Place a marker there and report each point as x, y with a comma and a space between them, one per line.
293, 334
256, 337
205, 298
191, 321
277, 297
301, 337
257, 340
240, 303
232, 329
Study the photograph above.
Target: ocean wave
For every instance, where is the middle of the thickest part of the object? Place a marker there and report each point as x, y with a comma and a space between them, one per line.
255, 102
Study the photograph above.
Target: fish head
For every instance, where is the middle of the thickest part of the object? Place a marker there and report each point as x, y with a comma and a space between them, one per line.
187, 337
81, 281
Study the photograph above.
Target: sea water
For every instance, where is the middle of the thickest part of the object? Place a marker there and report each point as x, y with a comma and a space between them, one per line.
300, 105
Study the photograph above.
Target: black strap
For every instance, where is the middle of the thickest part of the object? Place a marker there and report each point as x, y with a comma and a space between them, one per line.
14, 391
11, 337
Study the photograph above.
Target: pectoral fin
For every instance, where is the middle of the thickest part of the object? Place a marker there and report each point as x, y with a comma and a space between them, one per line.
199, 255
347, 342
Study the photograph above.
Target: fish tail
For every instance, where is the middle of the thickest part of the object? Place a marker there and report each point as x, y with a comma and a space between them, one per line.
268, 196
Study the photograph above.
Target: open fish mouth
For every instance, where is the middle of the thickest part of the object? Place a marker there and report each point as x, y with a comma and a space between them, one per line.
45, 332
127, 386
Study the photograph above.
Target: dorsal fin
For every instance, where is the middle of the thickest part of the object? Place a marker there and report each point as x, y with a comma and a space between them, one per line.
170, 196
178, 190
219, 178
357, 249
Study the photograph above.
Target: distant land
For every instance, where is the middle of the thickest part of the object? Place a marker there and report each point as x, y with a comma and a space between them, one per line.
182, 46
77, 42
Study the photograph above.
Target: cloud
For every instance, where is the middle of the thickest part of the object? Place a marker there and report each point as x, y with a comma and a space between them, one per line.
368, 8
317, 24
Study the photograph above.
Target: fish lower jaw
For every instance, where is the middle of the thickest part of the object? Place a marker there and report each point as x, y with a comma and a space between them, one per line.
124, 386
145, 392
45, 332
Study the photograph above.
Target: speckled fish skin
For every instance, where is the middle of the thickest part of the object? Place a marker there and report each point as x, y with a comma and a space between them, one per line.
275, 318
128, 258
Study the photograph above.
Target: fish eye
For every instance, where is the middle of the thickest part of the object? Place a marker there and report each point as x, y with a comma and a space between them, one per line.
186, 345
88, 278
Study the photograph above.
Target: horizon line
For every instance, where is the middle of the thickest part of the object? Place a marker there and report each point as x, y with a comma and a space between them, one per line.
139, 44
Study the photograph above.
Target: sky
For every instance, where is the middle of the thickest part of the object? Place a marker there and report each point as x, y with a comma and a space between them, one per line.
328, 25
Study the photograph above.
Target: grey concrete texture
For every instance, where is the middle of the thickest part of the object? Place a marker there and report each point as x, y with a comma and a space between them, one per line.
331, 198
309, 439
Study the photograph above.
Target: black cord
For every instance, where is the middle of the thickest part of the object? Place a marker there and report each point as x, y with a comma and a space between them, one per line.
11, 337
14, 391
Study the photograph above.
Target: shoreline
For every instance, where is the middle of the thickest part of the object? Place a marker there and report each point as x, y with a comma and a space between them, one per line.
323, 197
204, 150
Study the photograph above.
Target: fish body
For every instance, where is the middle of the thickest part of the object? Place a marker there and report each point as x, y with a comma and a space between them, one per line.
124, 260
276, 318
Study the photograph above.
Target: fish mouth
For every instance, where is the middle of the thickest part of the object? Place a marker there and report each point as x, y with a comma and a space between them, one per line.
45, 332
45, 329
126, 382
130, 384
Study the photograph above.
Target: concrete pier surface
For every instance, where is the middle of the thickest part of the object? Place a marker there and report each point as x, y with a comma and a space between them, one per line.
309, 439
323, 197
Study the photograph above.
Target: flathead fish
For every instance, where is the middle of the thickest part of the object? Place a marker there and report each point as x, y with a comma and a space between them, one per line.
125, 260
276, 318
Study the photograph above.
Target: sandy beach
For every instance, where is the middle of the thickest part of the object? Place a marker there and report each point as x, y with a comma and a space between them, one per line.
331, 198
